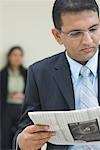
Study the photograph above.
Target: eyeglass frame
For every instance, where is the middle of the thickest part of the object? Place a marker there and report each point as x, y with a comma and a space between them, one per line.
95, 28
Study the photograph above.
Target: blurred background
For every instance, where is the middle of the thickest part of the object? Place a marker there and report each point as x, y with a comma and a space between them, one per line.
27, 24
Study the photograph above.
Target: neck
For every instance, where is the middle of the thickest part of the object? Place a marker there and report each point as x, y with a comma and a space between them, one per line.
82, 62
14, 68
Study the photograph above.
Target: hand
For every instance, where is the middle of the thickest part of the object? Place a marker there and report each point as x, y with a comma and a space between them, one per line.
17, 96
34, 137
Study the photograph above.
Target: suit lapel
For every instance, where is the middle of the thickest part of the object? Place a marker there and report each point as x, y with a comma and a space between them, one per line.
62, 76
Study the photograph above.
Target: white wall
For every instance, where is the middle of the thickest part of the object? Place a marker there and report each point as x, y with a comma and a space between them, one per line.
27, 23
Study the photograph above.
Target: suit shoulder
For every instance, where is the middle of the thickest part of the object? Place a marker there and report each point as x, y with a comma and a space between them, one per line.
3, 71
47, 62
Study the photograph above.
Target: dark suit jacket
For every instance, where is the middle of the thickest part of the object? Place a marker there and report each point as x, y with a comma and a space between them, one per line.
49, 87
4, 84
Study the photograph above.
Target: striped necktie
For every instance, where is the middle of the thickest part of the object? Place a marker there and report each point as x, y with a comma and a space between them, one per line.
88, 97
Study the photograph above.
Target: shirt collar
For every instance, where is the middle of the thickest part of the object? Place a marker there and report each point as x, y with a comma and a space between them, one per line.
76, 67
92, 64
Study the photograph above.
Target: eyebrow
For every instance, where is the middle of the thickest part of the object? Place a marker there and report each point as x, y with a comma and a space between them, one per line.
94, 26
81, 29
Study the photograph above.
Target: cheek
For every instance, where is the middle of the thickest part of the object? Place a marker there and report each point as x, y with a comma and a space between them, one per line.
97, 40
15, 60
73, 49
12, 60
72, 46
18, 58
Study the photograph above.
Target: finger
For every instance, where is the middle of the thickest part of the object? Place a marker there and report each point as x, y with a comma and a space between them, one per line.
41, 135
36, 128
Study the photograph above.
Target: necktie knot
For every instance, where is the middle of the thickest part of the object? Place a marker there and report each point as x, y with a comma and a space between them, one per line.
85, 71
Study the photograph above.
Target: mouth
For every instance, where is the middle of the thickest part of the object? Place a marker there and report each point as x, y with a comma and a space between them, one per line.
87, 50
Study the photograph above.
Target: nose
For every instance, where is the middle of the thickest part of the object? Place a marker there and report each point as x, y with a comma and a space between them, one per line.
87, 38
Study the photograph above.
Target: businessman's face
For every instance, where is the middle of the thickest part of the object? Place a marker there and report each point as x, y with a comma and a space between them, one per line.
80, 34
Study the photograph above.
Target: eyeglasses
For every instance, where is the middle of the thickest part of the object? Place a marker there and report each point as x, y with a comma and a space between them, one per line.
79, 33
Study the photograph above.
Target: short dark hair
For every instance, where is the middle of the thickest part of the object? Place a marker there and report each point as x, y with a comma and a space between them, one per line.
62, 6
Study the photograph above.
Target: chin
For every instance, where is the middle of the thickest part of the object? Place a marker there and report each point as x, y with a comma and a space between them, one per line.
88, 56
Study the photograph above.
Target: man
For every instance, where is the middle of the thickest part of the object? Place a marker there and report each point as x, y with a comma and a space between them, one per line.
55, 83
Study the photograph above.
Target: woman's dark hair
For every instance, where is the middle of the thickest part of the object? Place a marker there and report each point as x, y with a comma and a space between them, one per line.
8, 65
62, 6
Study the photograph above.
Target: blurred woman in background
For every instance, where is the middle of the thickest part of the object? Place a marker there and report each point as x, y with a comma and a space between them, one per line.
12, 86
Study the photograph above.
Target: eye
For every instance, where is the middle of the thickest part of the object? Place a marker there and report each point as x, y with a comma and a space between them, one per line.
75, 33
93, 30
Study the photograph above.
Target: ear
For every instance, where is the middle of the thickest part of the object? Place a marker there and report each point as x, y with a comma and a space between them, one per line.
57, 35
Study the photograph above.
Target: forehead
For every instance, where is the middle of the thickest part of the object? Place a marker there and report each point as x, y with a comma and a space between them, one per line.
16, 51
81, 20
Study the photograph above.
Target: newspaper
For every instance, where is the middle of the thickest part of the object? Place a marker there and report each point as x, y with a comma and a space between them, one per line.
72, 127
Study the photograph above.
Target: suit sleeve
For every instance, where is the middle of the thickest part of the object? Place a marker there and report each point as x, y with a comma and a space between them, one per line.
31, 102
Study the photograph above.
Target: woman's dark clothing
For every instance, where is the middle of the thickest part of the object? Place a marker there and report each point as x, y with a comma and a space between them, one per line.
10, 113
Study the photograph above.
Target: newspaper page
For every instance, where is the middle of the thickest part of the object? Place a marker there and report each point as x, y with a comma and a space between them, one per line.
72, 127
